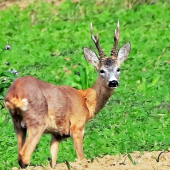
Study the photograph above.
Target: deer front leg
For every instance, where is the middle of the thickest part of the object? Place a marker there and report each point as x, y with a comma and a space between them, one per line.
34, 135
77, 136
54, 149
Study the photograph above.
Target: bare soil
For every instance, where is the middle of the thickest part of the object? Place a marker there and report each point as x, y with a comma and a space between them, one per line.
24, 3
142, 161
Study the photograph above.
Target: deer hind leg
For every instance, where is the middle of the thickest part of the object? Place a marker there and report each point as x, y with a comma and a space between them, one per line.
21, 136
34, 135
54, 149
20, 133
77, 136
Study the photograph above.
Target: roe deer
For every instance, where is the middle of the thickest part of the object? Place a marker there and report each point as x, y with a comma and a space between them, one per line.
62, 111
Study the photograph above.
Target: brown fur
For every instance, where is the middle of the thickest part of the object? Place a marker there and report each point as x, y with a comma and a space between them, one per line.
96, 97
61, 111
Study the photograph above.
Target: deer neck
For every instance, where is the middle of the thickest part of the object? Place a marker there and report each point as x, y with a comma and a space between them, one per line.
96, 97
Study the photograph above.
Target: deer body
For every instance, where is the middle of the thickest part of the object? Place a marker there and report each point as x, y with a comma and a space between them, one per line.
38, 107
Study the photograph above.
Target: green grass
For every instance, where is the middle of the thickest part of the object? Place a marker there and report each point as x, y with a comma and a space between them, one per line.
42, 35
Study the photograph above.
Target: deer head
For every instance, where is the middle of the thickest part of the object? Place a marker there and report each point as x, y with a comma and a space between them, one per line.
108, 68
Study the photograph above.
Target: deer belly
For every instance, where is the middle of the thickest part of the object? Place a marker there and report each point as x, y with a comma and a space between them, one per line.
53, 127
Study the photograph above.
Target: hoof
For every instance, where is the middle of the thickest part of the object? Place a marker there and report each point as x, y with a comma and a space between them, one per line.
22, 164
53, 165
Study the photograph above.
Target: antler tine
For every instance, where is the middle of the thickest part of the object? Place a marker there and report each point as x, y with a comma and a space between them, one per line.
96, 42
114, 52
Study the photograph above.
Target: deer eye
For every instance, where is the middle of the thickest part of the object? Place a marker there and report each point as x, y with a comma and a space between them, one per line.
102, 71
118, 69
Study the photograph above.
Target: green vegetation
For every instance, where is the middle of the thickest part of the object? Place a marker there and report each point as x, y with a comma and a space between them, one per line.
46, 41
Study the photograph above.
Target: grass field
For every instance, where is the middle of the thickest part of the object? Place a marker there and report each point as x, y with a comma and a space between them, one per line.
46, 41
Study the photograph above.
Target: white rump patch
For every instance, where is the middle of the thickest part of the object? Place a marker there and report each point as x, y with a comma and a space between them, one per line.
25, 104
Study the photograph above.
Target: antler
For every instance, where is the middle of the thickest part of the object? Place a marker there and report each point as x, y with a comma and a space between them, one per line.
96, 42
114, 52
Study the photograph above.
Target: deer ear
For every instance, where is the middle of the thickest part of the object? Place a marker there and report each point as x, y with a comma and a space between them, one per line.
123, 53
91, 57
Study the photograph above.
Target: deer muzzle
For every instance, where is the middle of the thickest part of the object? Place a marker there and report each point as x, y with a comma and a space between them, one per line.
113, 83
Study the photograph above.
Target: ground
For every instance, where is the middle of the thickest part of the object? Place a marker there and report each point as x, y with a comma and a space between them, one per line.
141, 161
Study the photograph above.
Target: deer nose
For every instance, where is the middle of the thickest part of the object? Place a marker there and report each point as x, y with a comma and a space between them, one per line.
113, 83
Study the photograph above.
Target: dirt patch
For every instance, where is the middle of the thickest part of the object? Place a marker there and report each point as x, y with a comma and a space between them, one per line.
145, 161
23, 3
